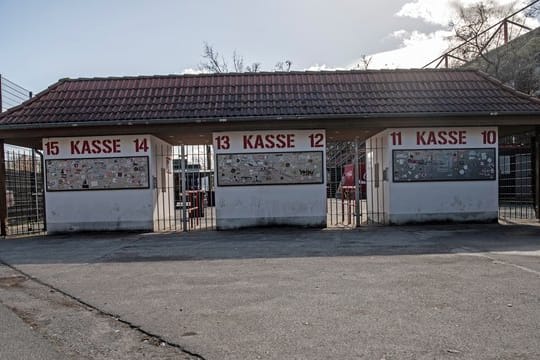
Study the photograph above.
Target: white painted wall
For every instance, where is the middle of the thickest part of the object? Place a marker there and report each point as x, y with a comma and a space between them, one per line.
248, 206
417, 202
103, 210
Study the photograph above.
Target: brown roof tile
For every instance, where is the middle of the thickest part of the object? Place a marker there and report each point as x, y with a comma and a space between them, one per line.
269, 95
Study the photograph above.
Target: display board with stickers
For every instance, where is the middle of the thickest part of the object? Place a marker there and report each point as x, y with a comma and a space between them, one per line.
444, 165
97, 173
284, 168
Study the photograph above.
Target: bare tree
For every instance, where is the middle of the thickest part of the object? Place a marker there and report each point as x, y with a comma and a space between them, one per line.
283, 65
238, 62
476, 35
483, 46
255, 67
214, 63
364, 62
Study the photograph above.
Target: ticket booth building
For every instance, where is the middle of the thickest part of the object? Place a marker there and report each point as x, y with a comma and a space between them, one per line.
123, 131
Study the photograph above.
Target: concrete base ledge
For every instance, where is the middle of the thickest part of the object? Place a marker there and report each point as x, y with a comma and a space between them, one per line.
298, 221
475, 217
57, 228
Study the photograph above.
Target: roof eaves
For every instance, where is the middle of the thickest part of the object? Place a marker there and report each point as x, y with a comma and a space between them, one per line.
164, 121
33, 99
506, 87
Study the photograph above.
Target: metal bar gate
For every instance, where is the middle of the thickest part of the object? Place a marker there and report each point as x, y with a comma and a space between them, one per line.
518, 173
355, 195
192, 186
24, 191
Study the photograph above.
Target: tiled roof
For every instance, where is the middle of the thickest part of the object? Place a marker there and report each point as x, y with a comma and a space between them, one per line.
190, 98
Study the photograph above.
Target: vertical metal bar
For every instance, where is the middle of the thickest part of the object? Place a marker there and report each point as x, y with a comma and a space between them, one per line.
176, 186
377, 168
537, 171
3, 192
210, 177
211, 185
163, 191
446, 65
356, 184
339, 166
505, 31
170, 187
206, 188
42, 179
183, 160
379, 180
382, 186
1, 103
371, 167
36, 195
362, 178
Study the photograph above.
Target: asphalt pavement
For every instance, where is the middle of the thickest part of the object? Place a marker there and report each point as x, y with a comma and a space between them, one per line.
20, 342
431, 292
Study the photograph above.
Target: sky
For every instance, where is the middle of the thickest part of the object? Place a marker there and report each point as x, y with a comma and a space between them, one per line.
44, 41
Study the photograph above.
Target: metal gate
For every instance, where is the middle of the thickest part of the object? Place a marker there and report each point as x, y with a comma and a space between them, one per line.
354, 198
24, 191
190, 187
517, 180
354, 193
192, 183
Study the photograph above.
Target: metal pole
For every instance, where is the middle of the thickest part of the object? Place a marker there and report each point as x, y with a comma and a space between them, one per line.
537, 172
42, 182
1, 103
3, 192
183, 161
209, 166
505, 31
36, 194
356, 184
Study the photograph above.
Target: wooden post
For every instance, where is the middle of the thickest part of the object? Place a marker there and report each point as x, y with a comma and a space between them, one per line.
505, 31
3, 192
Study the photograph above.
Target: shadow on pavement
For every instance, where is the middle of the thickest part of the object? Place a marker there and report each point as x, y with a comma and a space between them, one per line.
268, 243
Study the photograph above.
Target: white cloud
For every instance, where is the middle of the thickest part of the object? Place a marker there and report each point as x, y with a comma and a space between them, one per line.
441, 12
400, 34
323, 67
435, 12
417, 48
191, 71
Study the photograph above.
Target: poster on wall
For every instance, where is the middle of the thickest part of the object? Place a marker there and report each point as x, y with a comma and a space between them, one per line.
283, 168
110, 173
444, 165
